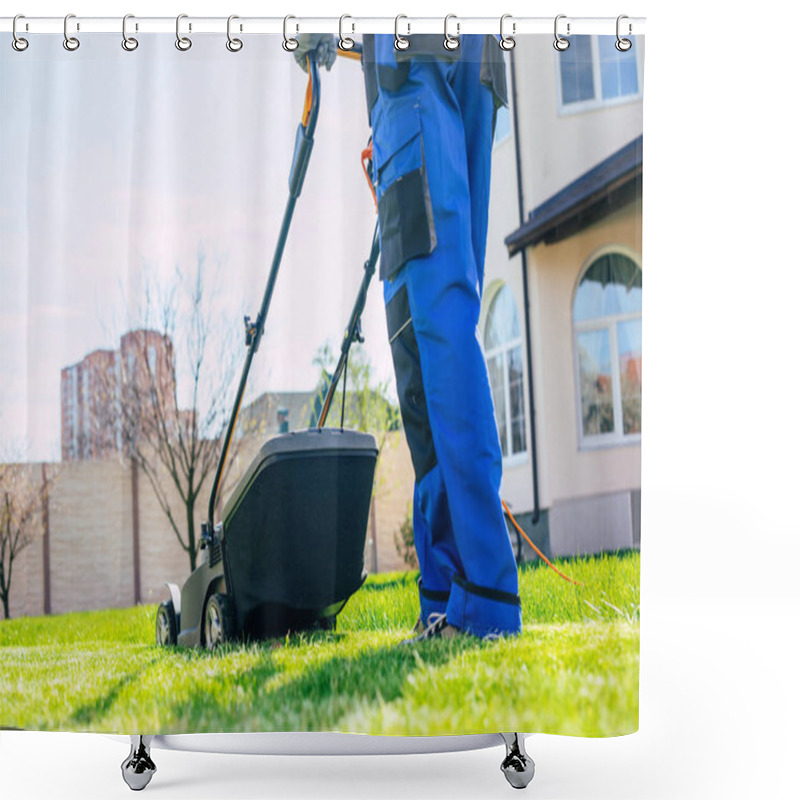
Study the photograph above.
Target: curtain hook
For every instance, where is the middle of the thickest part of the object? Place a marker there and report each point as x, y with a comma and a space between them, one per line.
507, 42
128, 42
70, 42
182, 42
451, 42
400, 42
560, 42
290, 44
623, 45
18, 43
346, 42
234, 45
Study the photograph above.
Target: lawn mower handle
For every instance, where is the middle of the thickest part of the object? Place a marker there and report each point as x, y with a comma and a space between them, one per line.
304, 139
254, 330
352, 330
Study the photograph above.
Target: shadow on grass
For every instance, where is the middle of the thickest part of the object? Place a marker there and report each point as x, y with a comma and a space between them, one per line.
94, 710
409, 579
324, 693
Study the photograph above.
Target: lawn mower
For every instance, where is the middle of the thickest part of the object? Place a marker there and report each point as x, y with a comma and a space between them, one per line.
289, 550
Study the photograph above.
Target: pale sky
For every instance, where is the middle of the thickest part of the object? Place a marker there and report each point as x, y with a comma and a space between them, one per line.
115, 163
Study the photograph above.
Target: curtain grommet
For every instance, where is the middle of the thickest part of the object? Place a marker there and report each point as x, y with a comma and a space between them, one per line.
346, 42
623, 45
401, 42
233, 44
183, 43
451, 42
128, 42
17, 42
70, 43
507, 42
290, 44
560, 43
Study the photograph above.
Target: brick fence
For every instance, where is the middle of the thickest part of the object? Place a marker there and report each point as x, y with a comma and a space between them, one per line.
95, 507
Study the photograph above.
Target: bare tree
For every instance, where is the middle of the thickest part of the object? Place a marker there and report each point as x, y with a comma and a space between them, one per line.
22, 497
174, 351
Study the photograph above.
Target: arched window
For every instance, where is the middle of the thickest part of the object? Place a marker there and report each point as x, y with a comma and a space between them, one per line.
607, 316
503, 343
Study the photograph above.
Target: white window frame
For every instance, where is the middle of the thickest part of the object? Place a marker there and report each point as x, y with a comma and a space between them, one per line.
512, 459
496, 142
618, 437
565, 109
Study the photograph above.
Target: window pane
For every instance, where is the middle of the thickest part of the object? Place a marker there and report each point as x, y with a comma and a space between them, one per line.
629, 338
612, 285
502, 323
516, 396
495, 367
594, 362
618, 73
577, 77
502, 124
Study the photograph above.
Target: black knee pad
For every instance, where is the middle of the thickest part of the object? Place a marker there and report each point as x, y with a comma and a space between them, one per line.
410, 389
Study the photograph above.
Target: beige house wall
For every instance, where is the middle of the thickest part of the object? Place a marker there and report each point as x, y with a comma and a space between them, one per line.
499, 270
566, 471
559, 146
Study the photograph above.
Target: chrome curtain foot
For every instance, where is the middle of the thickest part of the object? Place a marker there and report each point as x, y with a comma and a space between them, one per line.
138, 768
517, 766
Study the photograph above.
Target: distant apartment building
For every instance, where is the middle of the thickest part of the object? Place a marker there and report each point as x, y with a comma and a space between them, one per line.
91, 389
146, 365
85, 407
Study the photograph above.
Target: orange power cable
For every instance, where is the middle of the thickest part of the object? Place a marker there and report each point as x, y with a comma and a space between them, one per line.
366, 158
352, 54
538, 551
309, 95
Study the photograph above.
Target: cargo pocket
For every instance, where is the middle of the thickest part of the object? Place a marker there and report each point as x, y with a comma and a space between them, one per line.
404, 201
410, 391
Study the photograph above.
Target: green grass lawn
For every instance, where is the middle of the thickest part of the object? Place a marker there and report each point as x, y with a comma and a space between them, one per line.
573, 670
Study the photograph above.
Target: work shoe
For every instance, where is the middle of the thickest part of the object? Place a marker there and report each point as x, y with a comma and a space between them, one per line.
420, 626
437, 628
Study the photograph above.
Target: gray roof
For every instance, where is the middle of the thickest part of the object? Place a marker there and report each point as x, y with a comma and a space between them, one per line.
609, 185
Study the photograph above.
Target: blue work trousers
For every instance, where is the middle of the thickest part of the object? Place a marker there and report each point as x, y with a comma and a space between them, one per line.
432, 144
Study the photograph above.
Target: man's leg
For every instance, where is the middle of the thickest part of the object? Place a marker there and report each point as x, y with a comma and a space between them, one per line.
439, 292
436, 548
433, 530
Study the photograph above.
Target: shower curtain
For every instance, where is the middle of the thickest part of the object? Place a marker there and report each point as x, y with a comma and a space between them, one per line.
143, 192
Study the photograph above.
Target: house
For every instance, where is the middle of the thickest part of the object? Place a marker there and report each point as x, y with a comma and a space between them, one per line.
561, 317
275, 412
